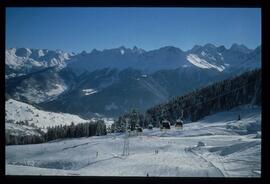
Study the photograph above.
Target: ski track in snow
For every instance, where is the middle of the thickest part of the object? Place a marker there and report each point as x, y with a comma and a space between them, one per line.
207, 161
225, 154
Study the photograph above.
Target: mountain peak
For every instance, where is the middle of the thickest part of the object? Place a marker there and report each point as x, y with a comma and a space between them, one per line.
23, 52
95, 51
170, 48
240, 47
195, 48
122, 47
83, 52
209, 46
221, 48
135, 49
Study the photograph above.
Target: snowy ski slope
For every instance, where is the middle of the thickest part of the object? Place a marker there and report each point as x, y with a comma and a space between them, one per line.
229, 151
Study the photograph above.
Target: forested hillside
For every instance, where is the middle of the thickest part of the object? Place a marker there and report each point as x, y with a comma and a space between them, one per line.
56, 132
224, 95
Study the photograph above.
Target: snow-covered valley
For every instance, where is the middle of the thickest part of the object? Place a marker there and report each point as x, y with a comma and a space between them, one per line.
228, 148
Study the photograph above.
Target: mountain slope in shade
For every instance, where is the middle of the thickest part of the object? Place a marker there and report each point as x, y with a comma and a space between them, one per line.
44, 85
112, 92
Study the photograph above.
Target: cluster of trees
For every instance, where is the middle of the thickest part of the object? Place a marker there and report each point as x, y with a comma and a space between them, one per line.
23, 139
130, 120
79, 130
224, 95
67, 131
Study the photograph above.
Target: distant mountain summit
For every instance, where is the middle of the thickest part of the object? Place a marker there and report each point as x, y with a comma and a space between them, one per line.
240, 48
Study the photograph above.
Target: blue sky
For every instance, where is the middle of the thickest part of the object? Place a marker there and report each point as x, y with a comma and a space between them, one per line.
77, 29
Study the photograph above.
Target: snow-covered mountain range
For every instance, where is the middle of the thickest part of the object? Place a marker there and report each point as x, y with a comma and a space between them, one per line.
113, 81
22, 61
207, 57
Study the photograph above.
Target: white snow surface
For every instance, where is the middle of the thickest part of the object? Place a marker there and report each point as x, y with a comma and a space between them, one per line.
199, 62
57, 90
223, 152
17, 61
25, 59
18, 111
89, 91
203, 53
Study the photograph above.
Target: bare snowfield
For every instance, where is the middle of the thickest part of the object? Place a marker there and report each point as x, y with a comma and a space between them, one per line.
231, 149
